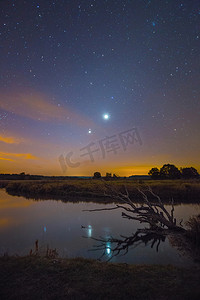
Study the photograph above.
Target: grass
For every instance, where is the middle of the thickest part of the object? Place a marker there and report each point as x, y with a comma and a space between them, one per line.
187, 191
42, 278
194, 230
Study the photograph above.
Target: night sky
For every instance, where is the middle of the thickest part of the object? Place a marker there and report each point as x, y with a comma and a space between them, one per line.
78, 76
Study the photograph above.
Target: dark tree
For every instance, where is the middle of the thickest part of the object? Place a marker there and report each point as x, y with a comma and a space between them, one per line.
189, 173
109, 175
97, 175
154, 173
169, 171
115, 176
22, 175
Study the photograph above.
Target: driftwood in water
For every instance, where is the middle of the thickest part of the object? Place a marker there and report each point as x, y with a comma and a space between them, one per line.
152, 213
114, 246
161, 222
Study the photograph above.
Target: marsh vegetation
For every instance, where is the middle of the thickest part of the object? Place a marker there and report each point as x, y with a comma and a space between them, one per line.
182, 191
44, 278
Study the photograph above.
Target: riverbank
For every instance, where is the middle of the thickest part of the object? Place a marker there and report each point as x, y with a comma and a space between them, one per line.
44, 278
182, 191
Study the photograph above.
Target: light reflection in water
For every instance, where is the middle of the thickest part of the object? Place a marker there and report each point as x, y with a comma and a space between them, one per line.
89, 231
23, 221
108, 249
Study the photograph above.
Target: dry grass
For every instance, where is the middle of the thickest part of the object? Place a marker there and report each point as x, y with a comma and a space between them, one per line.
194, 230
41, 278
71, 190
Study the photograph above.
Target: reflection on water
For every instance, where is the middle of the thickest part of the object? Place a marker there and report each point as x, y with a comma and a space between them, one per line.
108, 249
64, 225
89, 231
112, 247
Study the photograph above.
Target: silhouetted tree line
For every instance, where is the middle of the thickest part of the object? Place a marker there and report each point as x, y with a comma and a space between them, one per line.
23, 176
97, 175
169, 171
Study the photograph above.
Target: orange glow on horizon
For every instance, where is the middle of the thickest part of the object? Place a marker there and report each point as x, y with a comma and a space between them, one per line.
4, 222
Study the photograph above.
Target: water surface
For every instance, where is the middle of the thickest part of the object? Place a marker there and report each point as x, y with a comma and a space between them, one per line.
59, 225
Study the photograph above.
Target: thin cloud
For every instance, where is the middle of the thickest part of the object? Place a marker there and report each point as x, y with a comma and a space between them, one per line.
39, 107
8, 140
3, 158
14, 156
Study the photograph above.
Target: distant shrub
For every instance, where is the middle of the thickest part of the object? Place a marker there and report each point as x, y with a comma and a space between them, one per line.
97, 175
194, 229
154, 173
188, 173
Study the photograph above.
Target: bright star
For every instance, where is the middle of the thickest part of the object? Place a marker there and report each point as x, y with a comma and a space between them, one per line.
89, 131
106, 116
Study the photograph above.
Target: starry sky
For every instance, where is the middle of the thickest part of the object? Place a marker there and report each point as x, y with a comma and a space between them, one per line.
109, 86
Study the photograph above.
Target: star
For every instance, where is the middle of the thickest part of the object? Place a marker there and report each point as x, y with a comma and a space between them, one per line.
106, 116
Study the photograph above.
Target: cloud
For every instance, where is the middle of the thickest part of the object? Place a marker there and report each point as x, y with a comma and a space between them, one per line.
25, 155
9, 140
37, 106
14, 156
3, 158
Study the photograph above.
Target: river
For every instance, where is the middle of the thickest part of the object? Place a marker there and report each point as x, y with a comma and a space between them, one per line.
66, 227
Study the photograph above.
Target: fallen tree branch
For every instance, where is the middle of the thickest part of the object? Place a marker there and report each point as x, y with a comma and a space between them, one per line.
153, 213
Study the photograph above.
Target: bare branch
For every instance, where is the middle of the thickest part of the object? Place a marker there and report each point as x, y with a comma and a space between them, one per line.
122, 246
100, 209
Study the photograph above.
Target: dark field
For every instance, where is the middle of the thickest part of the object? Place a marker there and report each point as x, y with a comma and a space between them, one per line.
42, 278
182, 191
